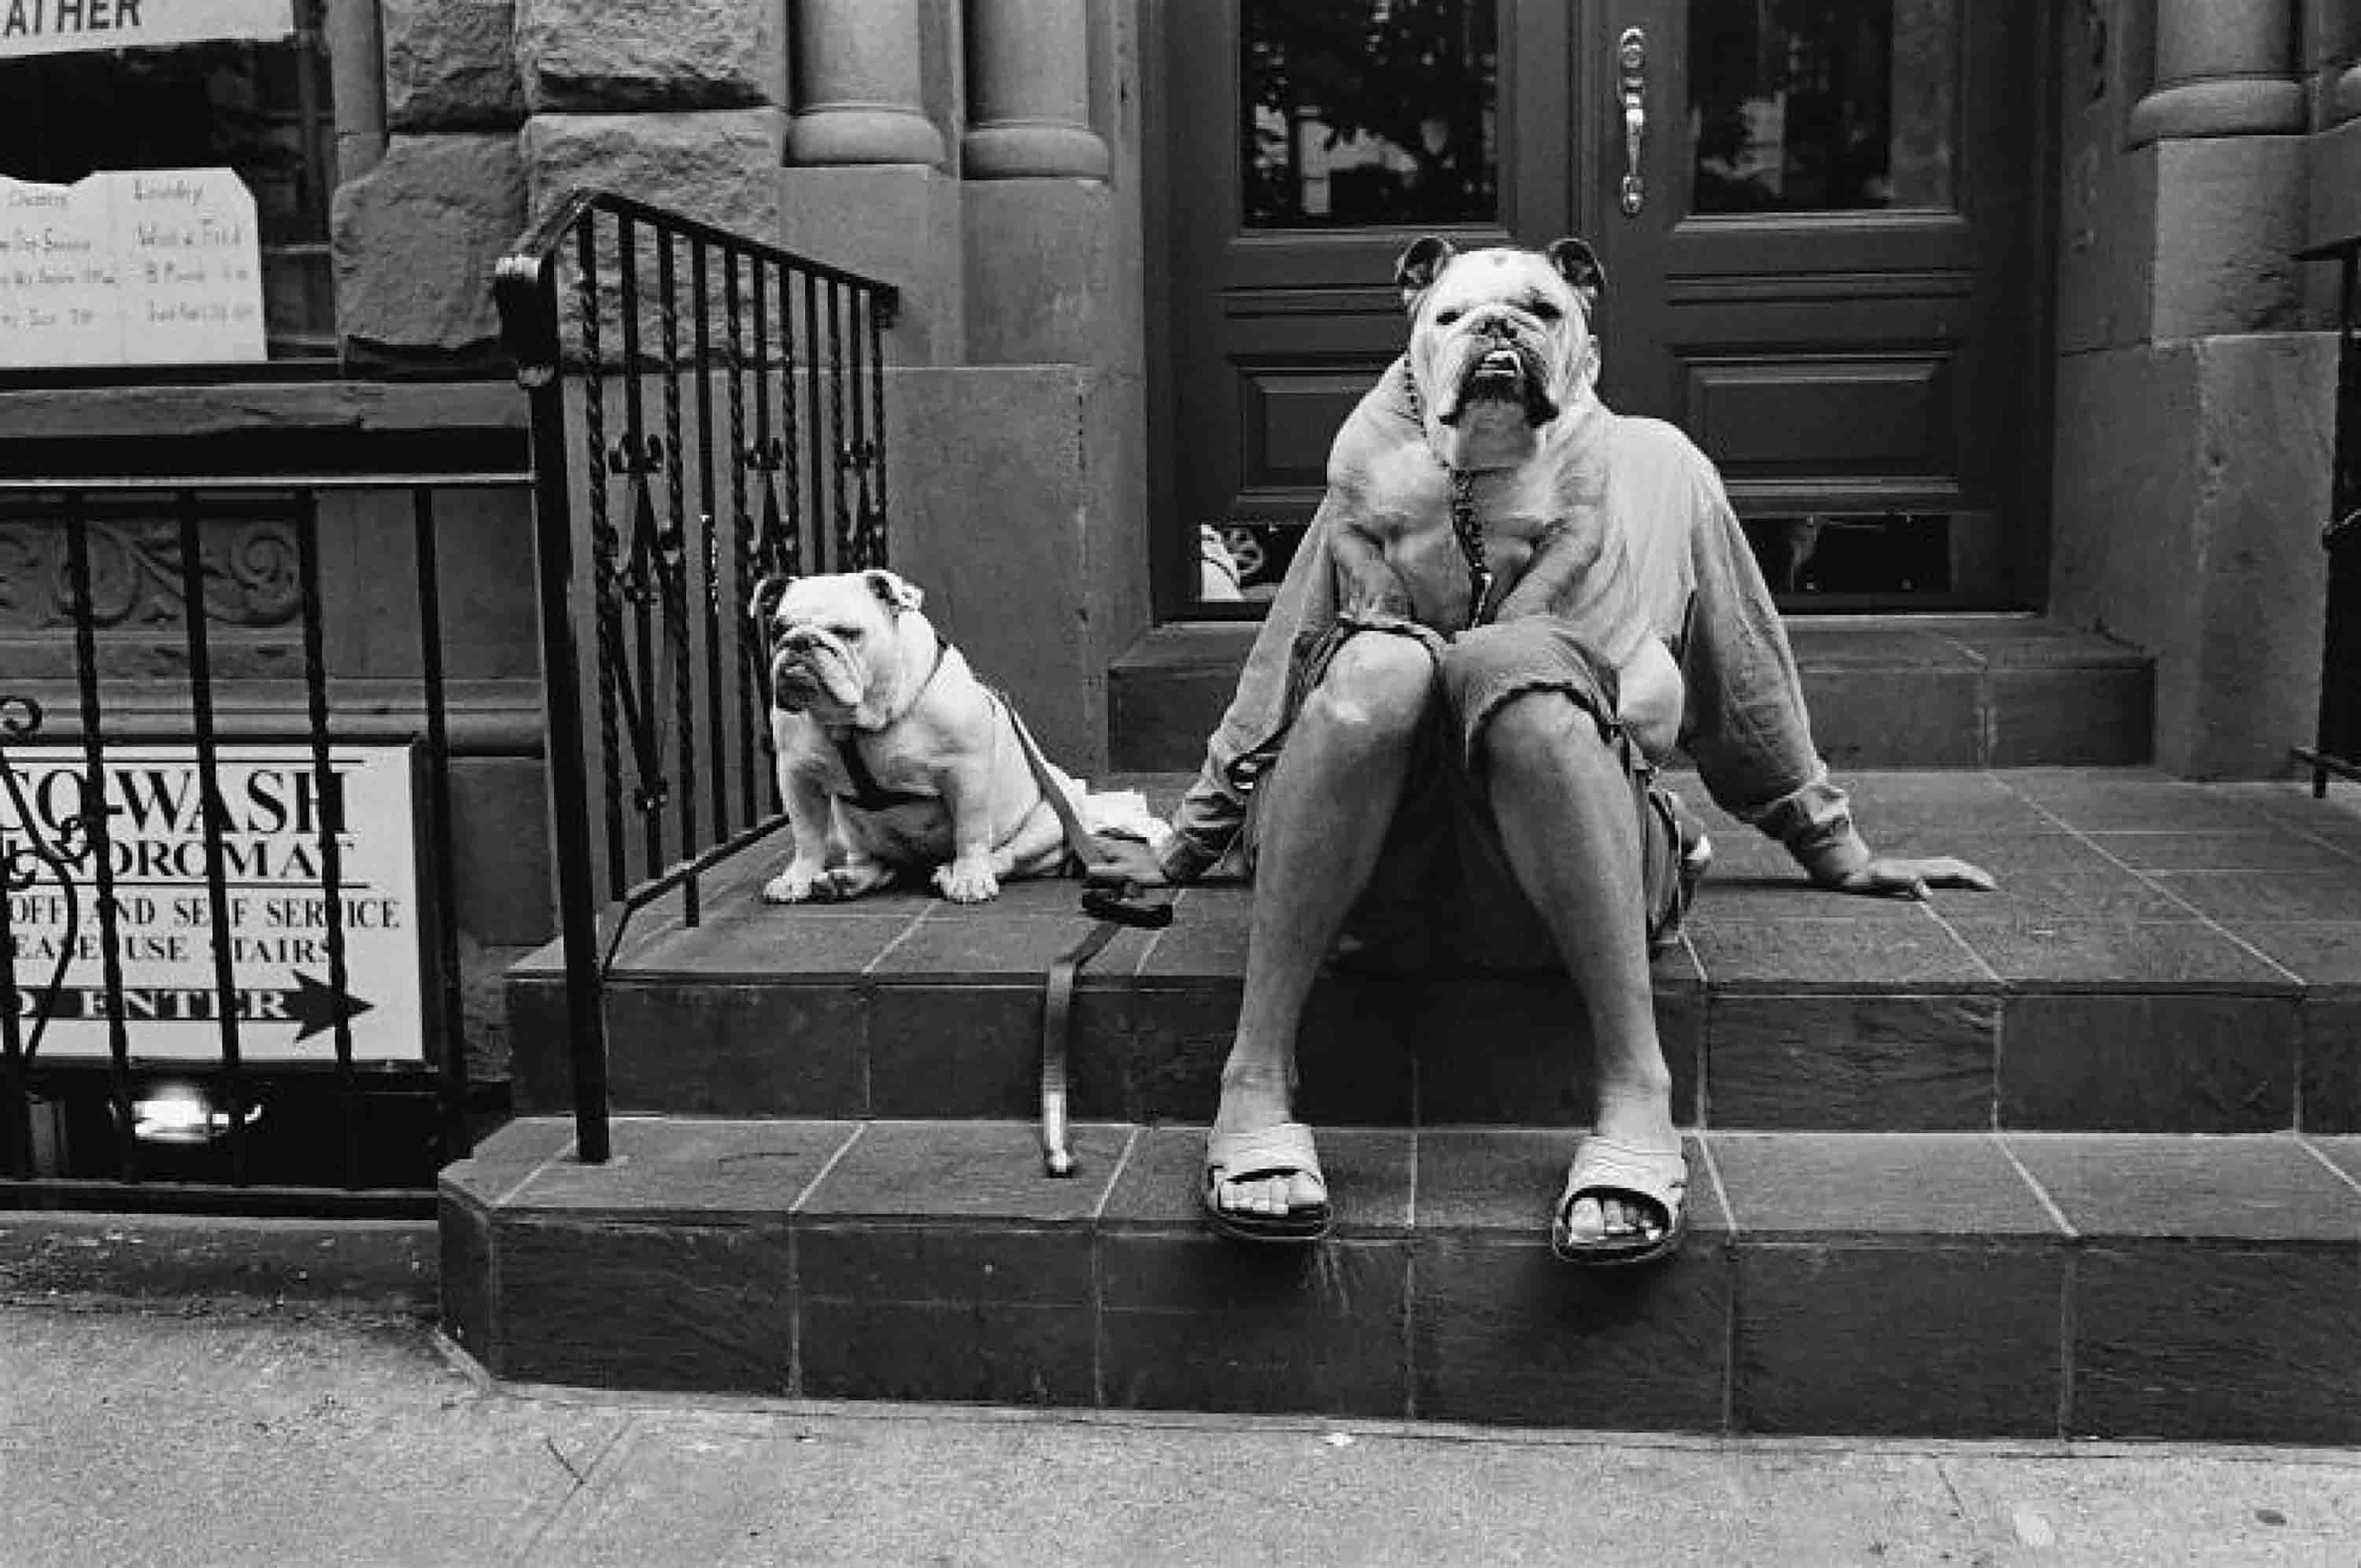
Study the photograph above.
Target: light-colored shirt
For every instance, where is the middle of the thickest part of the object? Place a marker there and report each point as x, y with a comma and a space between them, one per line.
1660, 585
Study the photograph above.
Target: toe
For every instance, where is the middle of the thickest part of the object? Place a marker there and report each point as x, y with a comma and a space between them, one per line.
1304, 1192
1585, 1222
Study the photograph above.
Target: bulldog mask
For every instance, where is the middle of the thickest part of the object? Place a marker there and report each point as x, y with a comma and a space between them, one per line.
892, 756
1501, 344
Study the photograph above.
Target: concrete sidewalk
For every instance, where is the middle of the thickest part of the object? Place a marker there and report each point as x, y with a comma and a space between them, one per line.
230, 1432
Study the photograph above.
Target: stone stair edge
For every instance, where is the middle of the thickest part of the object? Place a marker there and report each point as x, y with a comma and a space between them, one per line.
2109, 1189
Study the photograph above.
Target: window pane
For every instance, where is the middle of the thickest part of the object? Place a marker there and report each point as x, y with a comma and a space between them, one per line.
1822, 105
1369, 112
261, 109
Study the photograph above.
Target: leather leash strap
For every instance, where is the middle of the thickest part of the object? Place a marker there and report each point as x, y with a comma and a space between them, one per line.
1150, 909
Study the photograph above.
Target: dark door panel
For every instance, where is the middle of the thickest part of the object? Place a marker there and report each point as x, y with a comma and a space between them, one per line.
1824, 279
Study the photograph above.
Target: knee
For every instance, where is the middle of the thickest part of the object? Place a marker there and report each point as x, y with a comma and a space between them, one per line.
1376, 689
1542, 734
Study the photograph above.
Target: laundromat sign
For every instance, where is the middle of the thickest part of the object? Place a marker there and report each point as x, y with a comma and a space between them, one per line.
284, 992
29, 27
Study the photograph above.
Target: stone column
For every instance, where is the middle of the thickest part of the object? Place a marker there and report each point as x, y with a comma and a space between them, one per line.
2335, 164
1029, 91
2342, 22
1042, 275
2221, 70
860, 93
865, 187
357, 78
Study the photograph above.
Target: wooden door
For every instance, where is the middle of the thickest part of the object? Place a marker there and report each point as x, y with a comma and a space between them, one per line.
1825, 276
1821, 220
1305, 143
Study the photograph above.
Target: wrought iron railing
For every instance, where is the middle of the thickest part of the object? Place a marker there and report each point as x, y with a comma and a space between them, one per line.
764, 452
181, 905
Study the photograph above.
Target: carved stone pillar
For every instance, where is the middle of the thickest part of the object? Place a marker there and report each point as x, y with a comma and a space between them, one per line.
2222, 70
1028, 81
860, 93
2344, 28
357, 78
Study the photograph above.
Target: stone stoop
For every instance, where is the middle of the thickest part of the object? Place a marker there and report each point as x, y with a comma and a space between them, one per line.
2161, 957
1935, 1285
1885, 691
2082, 1156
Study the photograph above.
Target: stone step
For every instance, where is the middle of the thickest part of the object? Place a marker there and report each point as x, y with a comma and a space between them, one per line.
1935, 1285
1890, 691
2161, 957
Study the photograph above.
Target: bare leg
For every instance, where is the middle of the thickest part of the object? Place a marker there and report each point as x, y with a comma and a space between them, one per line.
1325, 810
1563, 804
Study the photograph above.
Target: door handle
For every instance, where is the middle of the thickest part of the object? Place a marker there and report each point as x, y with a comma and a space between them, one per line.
1631, 67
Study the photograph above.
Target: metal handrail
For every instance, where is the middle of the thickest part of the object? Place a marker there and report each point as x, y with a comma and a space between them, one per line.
653, 572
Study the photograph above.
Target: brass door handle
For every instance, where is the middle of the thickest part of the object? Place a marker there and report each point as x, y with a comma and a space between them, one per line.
1631, 66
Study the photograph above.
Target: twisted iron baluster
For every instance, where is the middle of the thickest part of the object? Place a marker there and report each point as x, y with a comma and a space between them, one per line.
700, 290
23, 860
847, 546
213, 814
790, 559
811, 404
739, 456
879, 518
96, 814
638, 456
673, 568
603, 547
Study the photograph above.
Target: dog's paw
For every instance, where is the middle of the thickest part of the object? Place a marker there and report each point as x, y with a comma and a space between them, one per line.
852, 880
967, 883
796, 885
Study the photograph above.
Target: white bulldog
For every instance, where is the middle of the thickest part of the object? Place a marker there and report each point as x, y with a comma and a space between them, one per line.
892, 756
1505, 368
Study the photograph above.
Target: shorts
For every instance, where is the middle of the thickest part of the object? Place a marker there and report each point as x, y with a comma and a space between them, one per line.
1443, 895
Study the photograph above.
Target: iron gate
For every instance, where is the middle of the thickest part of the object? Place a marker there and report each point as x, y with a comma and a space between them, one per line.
763, 452
183, 1107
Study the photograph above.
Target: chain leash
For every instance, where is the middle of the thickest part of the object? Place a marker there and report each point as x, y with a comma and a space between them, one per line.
1465, 526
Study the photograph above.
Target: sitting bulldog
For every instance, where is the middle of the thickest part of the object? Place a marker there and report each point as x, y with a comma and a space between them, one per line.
1511, 605
892, 756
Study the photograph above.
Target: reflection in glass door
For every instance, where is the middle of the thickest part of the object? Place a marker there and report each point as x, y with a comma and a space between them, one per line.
1821, 105
1370, 113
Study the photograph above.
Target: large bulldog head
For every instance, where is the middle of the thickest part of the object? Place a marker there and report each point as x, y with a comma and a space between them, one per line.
849, 648
1500, 343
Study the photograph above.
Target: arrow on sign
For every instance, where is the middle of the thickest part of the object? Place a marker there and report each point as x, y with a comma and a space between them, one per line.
311, 1005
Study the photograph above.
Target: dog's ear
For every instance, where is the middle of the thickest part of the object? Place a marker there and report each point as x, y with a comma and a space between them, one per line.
1578, 265
1420, 265
765, 601
895, 593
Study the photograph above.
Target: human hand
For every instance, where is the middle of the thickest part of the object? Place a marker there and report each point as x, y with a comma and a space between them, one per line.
1882, 877
1121, 863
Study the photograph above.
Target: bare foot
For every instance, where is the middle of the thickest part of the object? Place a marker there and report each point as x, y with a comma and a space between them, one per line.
1640, 1120
1251, 1101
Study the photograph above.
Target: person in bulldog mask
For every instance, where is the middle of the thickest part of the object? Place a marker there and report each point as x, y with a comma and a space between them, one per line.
1511, 606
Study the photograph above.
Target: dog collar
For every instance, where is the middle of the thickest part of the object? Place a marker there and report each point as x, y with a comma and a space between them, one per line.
868, 794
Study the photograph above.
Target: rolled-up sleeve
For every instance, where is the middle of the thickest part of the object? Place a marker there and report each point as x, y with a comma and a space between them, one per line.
1746, 723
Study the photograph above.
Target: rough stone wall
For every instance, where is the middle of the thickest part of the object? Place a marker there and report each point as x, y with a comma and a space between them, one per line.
414, 239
